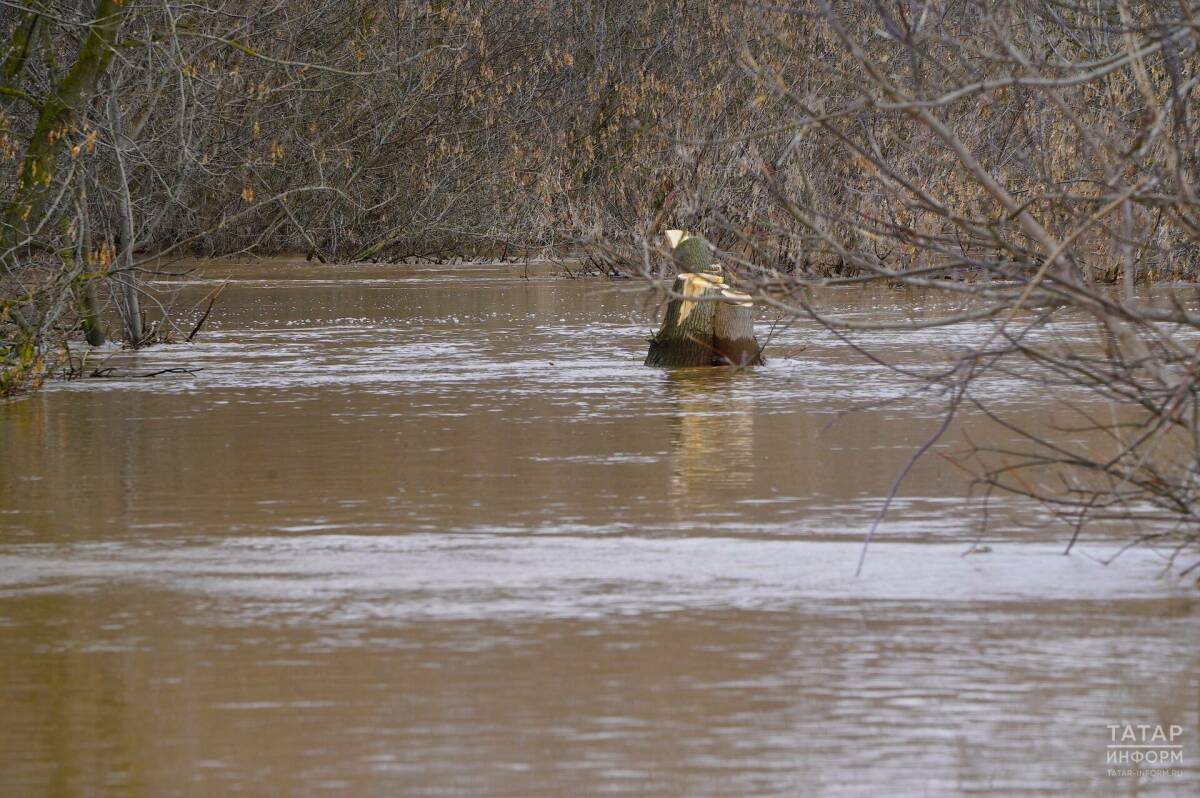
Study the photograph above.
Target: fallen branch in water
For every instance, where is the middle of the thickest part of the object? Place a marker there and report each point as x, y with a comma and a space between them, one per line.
109, 373
207, 310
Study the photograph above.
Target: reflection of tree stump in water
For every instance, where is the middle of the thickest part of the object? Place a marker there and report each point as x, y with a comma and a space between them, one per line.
707, 323
713, 439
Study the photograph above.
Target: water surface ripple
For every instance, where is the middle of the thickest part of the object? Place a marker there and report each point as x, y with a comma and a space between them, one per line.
429, 532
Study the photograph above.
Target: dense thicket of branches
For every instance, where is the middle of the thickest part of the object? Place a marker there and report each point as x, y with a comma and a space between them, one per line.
347, 130
1035, 151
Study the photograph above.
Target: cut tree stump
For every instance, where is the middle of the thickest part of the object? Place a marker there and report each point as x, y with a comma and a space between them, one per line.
733, 330
707, 323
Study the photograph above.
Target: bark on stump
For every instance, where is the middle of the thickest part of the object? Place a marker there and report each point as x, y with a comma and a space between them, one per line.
733, 330
707, 324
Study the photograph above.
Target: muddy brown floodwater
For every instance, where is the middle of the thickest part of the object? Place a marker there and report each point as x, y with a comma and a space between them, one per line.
437, 532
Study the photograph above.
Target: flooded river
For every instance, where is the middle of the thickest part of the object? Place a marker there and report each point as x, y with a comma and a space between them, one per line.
412, 531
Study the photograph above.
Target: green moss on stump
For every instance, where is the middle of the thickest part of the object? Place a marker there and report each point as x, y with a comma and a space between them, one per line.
695, 255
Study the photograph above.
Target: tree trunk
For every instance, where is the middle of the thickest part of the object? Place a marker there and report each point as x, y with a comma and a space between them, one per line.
733, 330
23, 214
707, 324
685, 338
89, 312
127, 279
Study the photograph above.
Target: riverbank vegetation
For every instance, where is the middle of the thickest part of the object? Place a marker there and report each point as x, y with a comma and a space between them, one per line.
1037, 159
